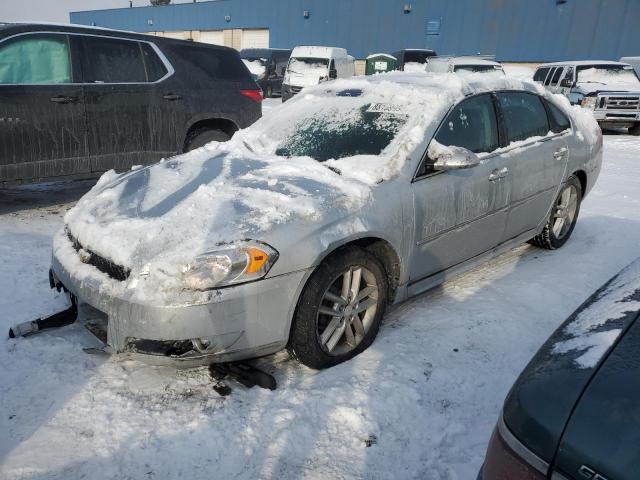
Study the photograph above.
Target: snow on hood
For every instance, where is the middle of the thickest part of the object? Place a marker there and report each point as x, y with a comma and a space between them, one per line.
595, 329
595, 79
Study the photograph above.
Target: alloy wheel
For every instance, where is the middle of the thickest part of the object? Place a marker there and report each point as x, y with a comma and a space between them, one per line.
565, 211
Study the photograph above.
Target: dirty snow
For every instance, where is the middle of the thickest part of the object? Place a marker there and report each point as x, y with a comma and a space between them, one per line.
425, 396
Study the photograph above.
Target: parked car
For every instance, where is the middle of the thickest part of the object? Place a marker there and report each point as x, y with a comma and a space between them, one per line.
300, 230
267, 65
574, 412
610, 89
310, 66
79, 101
463, 65
413, 59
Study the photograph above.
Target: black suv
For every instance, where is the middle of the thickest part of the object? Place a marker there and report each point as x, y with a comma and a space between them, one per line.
77, 101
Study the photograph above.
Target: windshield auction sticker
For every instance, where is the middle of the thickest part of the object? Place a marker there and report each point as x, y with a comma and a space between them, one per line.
387, 108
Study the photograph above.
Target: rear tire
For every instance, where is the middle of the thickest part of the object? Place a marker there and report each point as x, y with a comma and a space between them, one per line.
269, 92
202, 136
563, 217
635, 130
353, 284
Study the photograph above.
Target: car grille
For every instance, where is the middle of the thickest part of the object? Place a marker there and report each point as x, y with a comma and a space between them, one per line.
106, 266
620, 103
295, 90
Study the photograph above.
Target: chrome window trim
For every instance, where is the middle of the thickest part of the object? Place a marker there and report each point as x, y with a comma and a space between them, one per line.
522, 451
161, 55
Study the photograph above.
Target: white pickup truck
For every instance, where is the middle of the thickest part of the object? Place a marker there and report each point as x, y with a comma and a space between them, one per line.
610, 89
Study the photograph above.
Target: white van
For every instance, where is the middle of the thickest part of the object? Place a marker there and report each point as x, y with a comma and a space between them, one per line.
610, 89
311, 65
463, 65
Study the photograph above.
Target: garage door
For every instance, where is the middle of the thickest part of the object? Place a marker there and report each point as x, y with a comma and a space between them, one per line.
255, 38
214, 37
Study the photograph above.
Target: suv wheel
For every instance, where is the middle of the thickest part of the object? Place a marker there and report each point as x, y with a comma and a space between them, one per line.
340, 309
635, 130
563, 218
269, 92
202, 136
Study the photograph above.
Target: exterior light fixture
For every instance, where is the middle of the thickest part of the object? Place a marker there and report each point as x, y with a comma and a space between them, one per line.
306, 14
407, 8
227, 18
150, 21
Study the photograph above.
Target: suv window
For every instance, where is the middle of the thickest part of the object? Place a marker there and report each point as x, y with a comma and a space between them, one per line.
214, 63
35, 58
471, 124
558, 120
110, 60
556, 76
524, 115
551, 73
541, 74
569, 74
155, 68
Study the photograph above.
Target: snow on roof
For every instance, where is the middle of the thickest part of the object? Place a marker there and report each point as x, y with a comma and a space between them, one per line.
464, 60
581, 63
381, 55
318, 51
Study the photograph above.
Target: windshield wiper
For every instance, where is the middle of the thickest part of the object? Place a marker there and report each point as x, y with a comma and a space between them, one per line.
333, 169
293, 71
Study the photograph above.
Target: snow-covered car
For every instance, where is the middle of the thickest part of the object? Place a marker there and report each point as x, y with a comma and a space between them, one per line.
574, 410
463, 65
299, 231
610, 89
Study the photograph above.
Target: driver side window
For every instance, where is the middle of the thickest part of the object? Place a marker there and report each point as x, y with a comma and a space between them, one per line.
472, 124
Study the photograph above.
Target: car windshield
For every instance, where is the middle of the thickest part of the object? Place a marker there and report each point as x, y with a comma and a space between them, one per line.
256, 65
417, 56
476, 68
331, 127
608, 74
308, 65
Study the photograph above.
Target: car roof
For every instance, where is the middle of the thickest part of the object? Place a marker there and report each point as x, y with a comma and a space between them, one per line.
17, 28
318, 51
581, 63
464, 61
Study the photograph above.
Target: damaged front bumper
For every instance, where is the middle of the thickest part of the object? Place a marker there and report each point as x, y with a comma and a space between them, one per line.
239, 322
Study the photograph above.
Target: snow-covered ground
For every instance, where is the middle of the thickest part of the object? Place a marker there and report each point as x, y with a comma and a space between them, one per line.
425, 396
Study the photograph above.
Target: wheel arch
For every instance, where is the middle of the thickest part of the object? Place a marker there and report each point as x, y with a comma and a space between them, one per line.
225, 124
582, 177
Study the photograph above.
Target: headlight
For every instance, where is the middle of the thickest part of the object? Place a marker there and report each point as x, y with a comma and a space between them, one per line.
230, 264
588, 102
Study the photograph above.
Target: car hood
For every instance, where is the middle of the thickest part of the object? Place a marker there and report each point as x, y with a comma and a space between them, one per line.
160, 217
540, 403
587, 87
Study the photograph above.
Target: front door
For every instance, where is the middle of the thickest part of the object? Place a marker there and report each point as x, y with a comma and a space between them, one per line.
460, 214
42, 119
538, 160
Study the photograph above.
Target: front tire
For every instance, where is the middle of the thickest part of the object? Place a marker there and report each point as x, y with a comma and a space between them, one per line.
340, 309
200, 137
635, 130
563, 218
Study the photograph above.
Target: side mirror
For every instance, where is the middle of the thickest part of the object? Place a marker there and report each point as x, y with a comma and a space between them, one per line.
333, 73
451, 158
566, 82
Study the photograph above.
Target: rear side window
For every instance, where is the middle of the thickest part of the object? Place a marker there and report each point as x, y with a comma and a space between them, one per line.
214, 63
524, 115
550, 76
541, 74
35, 58
110, 60
472, 125
558, 120
155, 68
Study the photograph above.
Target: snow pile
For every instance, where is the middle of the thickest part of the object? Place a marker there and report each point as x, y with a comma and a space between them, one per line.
595, 329
256, 67
414, 67
613, 77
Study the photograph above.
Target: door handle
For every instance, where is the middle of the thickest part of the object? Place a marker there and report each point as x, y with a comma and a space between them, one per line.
64, 99
498, 174
561, 153
172, 97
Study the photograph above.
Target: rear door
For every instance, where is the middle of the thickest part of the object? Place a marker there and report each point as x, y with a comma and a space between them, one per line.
537, 158
124, 114
460, 213
42, 119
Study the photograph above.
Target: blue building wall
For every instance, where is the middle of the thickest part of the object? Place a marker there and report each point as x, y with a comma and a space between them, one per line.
513, 30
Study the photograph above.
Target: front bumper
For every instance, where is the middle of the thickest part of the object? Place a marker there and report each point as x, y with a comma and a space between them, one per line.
237, 323
617, 117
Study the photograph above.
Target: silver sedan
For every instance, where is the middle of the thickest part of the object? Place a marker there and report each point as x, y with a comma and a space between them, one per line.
302, 229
